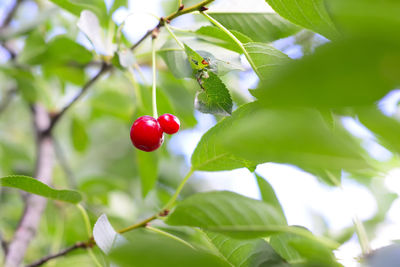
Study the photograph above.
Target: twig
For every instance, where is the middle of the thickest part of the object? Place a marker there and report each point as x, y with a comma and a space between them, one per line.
35, 205
90, 243
11, 14
198, 7
104, 68
59, 254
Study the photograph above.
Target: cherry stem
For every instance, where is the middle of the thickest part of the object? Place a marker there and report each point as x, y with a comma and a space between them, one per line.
154, 95
174, 36
233, 37
171, 202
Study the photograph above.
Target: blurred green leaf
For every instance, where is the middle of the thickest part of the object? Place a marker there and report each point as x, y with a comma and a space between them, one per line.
295, 136
336, 75
259, 27
308, 14
214, 97
295, 249
75, 7
61, 49
176, 60
34, 186
228, 213
114, 104
246, 253
34, 48
386, 129
155, 250
266, 59
220, 38
210, 155
268, 194
117, 4
148, 170
80, 138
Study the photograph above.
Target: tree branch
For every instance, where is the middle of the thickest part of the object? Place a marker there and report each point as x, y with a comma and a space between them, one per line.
198, 7
11, 14
104, 68
35, 205
91, 242
59, 254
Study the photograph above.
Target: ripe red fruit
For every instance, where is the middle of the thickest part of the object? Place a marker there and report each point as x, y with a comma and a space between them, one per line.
146, 134
169, 123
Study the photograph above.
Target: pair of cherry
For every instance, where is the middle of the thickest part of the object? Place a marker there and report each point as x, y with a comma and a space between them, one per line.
147, 133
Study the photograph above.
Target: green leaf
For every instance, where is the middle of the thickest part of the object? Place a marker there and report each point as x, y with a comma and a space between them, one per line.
266, 59
214, 97
80, 138
75, 7
117, 4
386, 129
220, 38
176, 60
148, 170
308, 14
259, 27
336, 75
209, 155
228, 213
31, 185
155, 250
34, 48
268, 194
295, 248
196, 61
245, 253
56, 51
295, 136
114, 104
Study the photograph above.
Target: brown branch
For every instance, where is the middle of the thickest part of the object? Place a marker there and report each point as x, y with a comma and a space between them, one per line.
104, 68
90, 243
198, 7
34, 205
11, 14
59, 254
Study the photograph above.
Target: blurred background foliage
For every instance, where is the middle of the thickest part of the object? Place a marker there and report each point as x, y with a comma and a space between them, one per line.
298, 118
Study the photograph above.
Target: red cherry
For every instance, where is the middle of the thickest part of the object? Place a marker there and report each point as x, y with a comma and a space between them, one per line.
146, 134
169, 123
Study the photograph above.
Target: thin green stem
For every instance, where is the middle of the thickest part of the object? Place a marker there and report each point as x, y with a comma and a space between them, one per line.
138, 225
159, 231
153, 61
174, 36
89, 231
171, 202
236, 40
